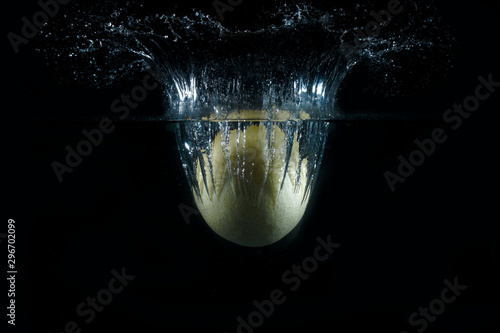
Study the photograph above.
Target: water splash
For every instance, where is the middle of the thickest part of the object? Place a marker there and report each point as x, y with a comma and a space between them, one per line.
294, 58
253, 104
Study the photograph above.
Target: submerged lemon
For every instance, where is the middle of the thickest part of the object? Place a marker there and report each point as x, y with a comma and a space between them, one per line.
249, 194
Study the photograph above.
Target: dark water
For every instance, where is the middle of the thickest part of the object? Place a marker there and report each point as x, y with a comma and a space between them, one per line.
119, 208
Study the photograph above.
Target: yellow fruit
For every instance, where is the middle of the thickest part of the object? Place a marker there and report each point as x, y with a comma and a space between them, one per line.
252, 197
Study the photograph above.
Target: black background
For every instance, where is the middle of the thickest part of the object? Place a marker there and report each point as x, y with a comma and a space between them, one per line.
119, 208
